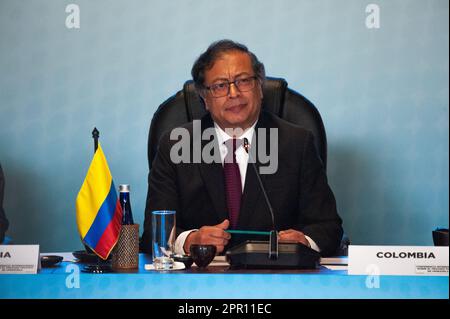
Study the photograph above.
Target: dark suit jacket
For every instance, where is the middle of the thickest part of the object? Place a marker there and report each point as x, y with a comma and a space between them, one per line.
3, 220
298, 191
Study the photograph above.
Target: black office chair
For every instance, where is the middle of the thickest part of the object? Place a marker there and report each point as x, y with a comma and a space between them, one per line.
186, 106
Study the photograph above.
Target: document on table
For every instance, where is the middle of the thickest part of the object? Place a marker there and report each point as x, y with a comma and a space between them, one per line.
218, 261
335, 263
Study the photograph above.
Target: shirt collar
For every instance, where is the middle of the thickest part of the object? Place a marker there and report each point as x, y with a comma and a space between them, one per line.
222, 136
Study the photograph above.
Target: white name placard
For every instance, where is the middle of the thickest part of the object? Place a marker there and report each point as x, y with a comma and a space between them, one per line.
398, 260
19, 259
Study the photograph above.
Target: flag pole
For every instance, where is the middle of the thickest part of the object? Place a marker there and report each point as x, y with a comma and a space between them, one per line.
101, 267
95, 136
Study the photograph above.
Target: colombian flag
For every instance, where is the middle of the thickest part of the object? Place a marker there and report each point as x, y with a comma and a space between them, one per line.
99, 213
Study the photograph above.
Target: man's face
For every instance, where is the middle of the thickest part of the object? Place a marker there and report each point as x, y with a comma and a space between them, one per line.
237, 109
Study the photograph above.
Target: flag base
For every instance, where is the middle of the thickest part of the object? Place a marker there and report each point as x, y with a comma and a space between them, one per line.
97, 269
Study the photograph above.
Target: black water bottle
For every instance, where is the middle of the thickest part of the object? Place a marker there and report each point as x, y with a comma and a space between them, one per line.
127, 215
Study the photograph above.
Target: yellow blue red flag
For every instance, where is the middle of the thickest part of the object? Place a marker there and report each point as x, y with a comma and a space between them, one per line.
99, 213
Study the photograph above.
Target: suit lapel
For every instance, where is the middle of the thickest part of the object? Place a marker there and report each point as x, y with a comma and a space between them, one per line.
252, 190
252, 195
212, 175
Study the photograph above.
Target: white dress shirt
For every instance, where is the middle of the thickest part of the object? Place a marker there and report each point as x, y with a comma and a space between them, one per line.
242, 160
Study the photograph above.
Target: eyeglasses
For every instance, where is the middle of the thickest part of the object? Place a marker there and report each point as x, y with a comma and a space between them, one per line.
223, 88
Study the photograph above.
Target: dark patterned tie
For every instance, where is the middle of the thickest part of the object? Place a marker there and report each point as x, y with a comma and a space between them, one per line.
233, 185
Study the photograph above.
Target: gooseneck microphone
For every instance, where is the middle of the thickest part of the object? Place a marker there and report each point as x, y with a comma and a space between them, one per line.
273, 240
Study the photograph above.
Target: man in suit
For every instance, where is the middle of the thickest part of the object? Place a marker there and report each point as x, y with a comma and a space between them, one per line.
210, 198
3, 221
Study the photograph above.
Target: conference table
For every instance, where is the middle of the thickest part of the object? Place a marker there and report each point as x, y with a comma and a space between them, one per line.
217, 281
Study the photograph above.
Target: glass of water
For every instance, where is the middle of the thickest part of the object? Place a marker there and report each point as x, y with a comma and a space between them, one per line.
163, 238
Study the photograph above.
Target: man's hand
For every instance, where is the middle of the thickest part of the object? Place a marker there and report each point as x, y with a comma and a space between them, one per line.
209, 235
292, 235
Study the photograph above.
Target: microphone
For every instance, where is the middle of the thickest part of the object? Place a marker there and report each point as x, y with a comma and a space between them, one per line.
273, 239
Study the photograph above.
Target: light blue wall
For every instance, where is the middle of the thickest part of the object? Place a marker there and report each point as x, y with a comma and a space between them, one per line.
383, 95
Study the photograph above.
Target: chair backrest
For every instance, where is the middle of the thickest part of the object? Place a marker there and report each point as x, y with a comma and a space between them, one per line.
186, 106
